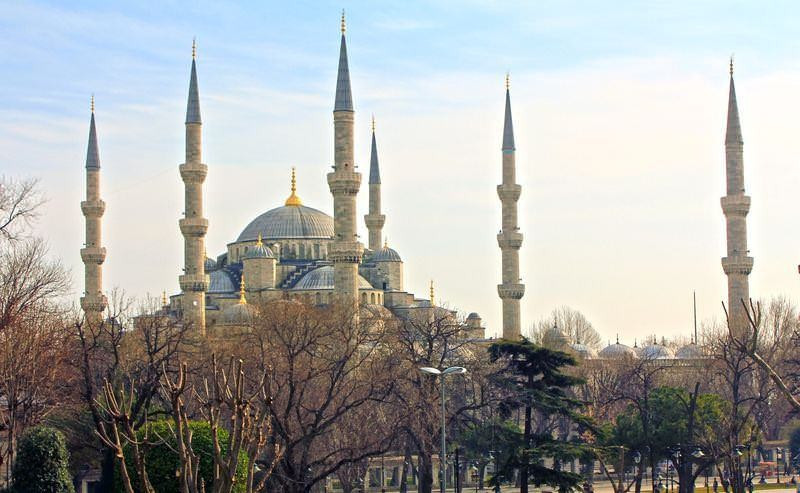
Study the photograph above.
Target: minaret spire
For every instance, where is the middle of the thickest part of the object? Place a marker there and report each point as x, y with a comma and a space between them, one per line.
511, 289
374, 220
344, 182
737, 265
93, 254
194, 281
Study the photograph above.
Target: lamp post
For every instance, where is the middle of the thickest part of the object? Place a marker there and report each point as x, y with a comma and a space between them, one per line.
637, 458
778, 457
443, 454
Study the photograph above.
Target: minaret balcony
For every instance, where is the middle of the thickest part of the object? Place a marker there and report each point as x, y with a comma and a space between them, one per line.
93, 255
509, 192
345, 252
194, 282
343, 182
511, 291
193, 226
375, 220
94, 303
735, 205
509, 239
93, 208
737, 265
193, 172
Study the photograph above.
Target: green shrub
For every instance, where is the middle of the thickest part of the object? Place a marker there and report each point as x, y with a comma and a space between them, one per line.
42, 464
161, 461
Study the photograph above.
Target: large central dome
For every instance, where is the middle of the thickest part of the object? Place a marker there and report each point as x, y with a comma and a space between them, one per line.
289, 221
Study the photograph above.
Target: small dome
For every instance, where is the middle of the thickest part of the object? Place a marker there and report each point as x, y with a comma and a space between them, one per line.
583, 350
386, 254
209, 264
617, 351
473, 316
238, 314
322, 278
690, 351
657, 351
220, 282
260, 250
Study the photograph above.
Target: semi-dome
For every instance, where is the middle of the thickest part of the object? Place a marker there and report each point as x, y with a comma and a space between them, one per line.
220, 282
689, 351
386, 254
322, 278
617, 351
583, 350
657, 351
289, 221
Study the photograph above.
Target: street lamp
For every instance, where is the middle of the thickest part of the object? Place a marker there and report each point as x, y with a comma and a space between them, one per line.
443, 455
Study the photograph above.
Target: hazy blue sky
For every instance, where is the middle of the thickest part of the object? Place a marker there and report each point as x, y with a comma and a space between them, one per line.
619, 112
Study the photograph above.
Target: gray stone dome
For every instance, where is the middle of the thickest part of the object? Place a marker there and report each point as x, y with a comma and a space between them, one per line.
238, 314
583, 350
289, 221
657, 351
322, 278
260, 251
617, 351
386, 254
473, 316
220, 282
209, 264
690, 351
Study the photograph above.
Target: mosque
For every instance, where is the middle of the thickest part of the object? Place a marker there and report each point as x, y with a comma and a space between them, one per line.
295, 251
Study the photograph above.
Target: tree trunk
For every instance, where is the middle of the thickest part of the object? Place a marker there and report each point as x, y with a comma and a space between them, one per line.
404, 470
425, 471
526, 437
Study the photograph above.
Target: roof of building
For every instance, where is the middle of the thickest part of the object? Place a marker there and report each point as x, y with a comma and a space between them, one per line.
386, 254
656, 351
322, 278
289, 221
583, 350
473, 316
344, 97
238, 314
220, 282
690, 351
193, 103
92, 150
209, 264
260, 250
617, 350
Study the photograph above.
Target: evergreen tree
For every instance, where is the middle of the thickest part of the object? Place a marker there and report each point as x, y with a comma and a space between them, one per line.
532, 379
42, 463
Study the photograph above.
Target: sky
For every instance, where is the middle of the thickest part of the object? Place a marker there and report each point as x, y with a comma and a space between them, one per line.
619, 114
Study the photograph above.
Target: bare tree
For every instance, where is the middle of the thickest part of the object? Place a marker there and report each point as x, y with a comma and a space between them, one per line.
19, 204
571, 322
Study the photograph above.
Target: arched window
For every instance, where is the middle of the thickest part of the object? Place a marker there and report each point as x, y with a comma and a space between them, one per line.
318, 298
302, 250
363, 297
372, 298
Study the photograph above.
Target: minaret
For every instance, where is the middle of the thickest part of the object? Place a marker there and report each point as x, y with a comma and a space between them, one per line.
344, 182
735, 205
510, 239
194, 281
374, 220
93, 254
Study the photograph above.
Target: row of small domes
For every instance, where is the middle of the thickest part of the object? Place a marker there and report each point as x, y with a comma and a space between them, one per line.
651, 351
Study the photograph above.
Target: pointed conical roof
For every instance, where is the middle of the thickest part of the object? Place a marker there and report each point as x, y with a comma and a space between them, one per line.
193, 105
374, 170
92, 151
344, 97
733, 135
508, 125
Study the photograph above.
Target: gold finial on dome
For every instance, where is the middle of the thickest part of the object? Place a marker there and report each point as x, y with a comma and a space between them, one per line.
258, 242
344, 26
293, 198
91, 104
373, 123
731, 66
194, 48
163, 299
508, 81
432, 297
242, 299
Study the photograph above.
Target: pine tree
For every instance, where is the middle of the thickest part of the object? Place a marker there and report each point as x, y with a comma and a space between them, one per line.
532, 379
